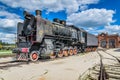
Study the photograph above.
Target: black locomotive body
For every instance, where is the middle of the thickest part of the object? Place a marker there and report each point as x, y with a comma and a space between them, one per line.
38, 37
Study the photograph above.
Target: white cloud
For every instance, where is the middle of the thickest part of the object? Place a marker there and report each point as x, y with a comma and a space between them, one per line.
9, 19
91, 18
7, 23
110, 29
69, 6
92, 30
83, 7
113, 29
8, 15
88, 1
8, 38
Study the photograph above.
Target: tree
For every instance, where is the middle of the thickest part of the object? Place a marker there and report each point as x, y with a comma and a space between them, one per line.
0, 46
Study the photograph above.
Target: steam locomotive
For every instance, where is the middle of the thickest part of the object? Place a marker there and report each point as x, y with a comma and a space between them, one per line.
38, 37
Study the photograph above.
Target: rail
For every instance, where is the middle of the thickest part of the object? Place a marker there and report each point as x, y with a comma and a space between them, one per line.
102, 73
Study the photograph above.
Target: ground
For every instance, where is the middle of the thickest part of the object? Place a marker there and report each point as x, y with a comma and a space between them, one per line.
67, 68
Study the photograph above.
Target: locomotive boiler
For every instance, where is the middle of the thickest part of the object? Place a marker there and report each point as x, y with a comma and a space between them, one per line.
38, 37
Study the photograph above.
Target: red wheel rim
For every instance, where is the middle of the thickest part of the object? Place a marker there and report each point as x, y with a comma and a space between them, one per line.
52, 56
60, 54
34, 56
75, 51
65, 52
71, 52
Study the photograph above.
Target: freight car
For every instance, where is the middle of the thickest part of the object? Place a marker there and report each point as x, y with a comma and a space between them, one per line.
38, 37
92, 42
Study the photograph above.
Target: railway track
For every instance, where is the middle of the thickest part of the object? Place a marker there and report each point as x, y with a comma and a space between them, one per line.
103, 71
8, 64
14, 63
110, 72
99, 72
5, 56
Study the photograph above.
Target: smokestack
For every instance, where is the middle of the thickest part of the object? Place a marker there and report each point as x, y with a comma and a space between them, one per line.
38, 12
26, 13
63, 22
56, 20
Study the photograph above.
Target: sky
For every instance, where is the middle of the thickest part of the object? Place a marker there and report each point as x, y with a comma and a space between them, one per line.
95, 16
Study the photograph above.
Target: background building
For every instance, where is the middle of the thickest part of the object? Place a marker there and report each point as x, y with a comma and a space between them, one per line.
108, 41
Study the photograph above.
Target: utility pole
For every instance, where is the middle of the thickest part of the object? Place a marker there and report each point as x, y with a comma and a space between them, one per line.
15, 39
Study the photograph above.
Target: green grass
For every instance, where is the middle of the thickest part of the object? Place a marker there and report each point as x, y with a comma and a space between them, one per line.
5, 52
